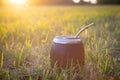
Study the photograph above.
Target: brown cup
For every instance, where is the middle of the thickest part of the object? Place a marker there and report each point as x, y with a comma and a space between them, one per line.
67, 51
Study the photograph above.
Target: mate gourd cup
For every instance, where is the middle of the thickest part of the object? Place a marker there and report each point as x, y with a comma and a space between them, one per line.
68, 50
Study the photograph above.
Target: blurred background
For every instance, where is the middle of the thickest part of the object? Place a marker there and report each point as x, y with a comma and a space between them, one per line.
56, 2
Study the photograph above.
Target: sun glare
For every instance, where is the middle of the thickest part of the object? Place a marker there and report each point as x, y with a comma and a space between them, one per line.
76, 1
18, 2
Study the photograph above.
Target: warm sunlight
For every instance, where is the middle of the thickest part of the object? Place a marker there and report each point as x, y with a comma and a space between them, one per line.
91, 1
18, 2
76, 1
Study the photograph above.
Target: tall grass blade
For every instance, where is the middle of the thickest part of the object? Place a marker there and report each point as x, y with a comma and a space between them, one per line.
19, 58
2, 60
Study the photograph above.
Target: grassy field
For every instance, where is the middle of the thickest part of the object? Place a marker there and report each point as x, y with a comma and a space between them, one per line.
26, 36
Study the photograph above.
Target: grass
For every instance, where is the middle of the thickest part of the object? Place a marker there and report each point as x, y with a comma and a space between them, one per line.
26, 36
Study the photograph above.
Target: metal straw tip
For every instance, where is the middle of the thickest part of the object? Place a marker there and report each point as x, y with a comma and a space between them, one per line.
87, 26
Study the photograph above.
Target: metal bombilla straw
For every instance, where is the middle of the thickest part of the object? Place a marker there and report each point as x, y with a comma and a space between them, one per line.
81, 30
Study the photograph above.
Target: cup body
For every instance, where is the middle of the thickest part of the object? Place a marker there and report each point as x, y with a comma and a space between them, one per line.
67, 51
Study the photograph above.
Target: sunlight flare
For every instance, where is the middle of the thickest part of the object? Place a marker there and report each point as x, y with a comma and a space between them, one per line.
18, 2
